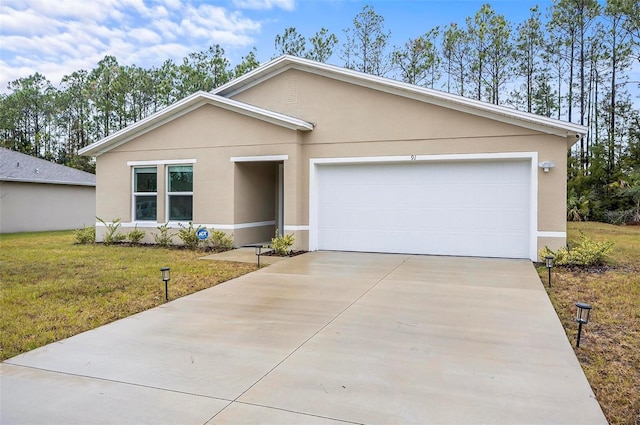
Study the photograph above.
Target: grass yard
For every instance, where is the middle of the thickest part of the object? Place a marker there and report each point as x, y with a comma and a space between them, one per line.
610, 344
51, 289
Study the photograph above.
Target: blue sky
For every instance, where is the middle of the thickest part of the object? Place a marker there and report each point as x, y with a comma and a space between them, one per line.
57, 37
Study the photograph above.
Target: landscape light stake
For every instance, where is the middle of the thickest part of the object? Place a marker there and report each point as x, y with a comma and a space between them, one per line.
582, 316
166, 277
548, 260
258, 251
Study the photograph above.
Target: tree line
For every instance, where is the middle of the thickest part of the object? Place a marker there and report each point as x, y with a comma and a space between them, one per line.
572, 61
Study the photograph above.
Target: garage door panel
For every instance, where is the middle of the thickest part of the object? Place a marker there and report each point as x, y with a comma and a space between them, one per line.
478, 208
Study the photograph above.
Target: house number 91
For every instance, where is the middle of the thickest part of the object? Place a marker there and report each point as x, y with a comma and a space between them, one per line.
413, 157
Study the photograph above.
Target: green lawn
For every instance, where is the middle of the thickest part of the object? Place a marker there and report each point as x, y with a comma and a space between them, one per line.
51, 289
610, 345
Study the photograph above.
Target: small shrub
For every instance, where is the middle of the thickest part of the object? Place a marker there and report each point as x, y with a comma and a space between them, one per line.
189, 236
112, 236
220, 240
85, 235
586, 253
163, 238
135, 236
282, 244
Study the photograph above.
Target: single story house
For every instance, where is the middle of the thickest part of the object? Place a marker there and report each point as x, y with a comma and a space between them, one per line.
344, 161
38, 195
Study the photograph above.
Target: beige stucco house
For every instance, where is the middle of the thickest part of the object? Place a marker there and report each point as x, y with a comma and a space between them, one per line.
344, 161
38, 195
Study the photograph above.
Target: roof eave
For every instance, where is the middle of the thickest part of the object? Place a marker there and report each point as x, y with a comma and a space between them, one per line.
59, 182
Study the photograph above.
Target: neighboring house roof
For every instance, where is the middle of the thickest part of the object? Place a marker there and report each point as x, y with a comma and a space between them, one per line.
184, 106
435, 97
18, 167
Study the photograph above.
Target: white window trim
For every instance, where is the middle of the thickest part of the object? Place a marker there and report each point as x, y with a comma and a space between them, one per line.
259, 158
134, 219
168, 194
158, 162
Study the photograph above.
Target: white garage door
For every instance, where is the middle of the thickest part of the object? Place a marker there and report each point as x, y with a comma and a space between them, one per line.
466, 208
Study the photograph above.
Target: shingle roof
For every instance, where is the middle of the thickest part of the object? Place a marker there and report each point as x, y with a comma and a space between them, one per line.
18, 167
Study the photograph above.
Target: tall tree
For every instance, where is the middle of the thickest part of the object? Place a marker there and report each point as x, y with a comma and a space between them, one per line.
418, 61
365, 48
75, 115
247, 64
322, 45
456, 58
478, 44
318, 48
102, 93
30, 111
203, 70
499, 56
528, 48
290, 43
574, 18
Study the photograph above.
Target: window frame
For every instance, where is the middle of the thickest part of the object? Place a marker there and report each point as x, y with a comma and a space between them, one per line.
135, 194
169, 194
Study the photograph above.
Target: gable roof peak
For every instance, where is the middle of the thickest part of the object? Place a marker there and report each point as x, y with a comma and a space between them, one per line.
452, 101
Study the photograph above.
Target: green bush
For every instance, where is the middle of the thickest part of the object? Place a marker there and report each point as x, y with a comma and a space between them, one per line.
189, 235
85, 235
586, 253
135, 236
282, 244
112, 236
220, 240
163, 238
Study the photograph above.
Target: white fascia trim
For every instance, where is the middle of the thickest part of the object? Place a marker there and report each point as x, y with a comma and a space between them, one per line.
545, 234
160, 162
296, 228
423, 158
532, 157
260, 158
58, 182
262, 114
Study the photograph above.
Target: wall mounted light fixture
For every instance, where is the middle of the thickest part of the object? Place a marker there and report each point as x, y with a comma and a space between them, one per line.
546, 165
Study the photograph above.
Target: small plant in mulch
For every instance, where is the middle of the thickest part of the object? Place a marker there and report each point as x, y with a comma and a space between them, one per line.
281, 244
112, 235
189, 235
136, 235
163, 237
219, 241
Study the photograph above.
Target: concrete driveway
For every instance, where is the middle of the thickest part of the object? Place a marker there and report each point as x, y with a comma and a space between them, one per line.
322, 338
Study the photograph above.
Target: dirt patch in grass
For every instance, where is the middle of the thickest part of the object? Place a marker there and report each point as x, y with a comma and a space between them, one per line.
610, 344
51, 289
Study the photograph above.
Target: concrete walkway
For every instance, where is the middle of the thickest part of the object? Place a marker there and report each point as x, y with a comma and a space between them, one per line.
321, 338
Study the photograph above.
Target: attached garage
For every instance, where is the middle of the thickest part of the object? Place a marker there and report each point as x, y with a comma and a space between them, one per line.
468, 206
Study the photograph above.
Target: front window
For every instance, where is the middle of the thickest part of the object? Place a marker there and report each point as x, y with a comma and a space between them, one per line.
180, 192
145, 193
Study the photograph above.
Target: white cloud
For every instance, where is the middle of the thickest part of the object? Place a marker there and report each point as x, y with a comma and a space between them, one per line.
59, 37
265, 4
145, 35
